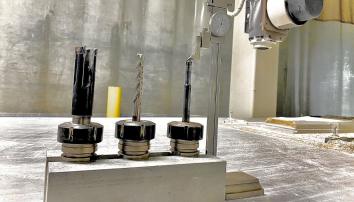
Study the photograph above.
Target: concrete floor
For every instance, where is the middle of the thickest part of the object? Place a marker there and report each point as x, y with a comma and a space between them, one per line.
288, 171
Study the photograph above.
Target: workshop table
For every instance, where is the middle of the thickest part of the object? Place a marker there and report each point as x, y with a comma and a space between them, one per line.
287, 170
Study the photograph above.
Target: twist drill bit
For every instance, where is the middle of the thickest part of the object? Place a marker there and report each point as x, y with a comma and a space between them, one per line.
138, 87
185, 135
134, 135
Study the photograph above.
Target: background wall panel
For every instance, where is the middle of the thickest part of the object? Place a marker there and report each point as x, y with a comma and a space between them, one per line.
316, 71
37, 40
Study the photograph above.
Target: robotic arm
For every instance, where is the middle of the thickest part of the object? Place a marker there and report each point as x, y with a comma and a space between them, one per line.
269, 21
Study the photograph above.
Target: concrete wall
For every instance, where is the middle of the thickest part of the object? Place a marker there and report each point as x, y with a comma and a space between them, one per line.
37, 40
317, 70
254, 73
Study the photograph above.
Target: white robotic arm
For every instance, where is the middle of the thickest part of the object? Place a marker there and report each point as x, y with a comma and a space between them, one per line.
269, 21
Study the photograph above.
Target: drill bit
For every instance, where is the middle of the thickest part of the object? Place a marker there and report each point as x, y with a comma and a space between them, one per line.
134, 134
84, 81
187, 91
185, 135
138, 87
79, 137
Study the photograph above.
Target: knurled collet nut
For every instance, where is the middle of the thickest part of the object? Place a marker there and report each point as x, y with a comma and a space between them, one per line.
185, 131
135, 130
71, 133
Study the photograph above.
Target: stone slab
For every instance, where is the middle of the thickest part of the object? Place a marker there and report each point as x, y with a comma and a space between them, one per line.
233, 178
308, 124
231, 189
161, 178
244, 195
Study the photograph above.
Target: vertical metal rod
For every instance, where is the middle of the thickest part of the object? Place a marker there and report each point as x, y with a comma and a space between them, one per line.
187, 91
138, 87
213, 107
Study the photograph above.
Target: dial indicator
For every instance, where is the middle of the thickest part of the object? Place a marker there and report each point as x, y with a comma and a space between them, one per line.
220, 24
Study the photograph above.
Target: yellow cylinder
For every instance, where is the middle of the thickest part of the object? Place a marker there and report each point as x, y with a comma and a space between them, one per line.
113, 101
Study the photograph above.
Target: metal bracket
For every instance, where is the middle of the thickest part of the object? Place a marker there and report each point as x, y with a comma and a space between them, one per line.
206, 38
196, 55
218, 3
220, 40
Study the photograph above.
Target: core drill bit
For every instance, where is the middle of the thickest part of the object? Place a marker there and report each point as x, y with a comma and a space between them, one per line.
79, 137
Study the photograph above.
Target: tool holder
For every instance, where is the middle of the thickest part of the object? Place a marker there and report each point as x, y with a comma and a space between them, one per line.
79, 137
134, 135
185, 135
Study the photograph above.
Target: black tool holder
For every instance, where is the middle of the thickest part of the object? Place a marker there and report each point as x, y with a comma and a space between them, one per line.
79, 137
185, 135
134, 135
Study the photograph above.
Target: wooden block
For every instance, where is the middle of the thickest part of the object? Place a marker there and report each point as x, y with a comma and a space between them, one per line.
244, 194
234, 178
229, 189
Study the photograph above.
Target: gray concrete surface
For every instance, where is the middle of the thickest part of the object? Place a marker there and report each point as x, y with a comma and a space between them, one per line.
37, 54
288, 171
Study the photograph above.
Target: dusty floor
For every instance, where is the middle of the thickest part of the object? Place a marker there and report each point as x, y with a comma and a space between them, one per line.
288, 170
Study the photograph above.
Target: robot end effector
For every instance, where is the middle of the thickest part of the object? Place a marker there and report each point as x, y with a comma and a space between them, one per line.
269, 21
